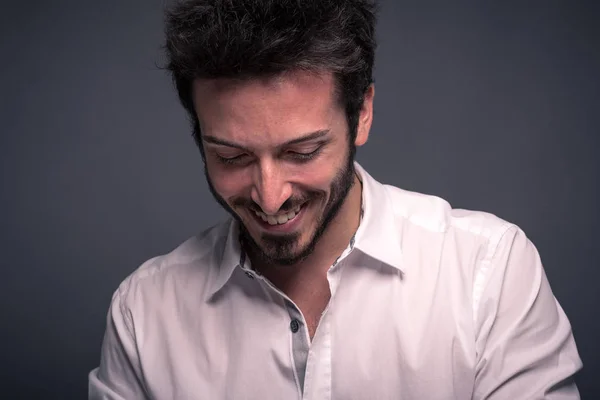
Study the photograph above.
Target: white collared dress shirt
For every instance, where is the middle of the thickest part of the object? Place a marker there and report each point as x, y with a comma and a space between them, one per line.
427, 303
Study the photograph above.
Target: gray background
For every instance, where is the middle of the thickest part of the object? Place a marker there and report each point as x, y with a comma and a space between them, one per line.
493, 105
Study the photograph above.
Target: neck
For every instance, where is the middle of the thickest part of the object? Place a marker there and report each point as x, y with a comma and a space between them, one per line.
331, 244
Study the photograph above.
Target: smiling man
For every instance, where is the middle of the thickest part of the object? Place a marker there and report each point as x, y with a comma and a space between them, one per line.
324, 284
279, 159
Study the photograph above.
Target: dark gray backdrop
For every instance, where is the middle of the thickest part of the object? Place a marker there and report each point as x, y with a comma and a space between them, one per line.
493, 106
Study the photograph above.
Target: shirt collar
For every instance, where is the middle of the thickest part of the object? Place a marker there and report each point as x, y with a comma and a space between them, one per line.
232, 257
378, 235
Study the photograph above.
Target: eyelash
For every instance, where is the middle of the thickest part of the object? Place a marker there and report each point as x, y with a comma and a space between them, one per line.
306, 156
300, 157
230, 161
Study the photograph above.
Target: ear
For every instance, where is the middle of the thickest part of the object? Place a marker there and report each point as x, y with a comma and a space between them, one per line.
366, 117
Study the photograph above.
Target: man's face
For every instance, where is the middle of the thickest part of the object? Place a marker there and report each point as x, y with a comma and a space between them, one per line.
277, 158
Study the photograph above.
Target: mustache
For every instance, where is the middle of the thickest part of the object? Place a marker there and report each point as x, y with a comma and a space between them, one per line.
287, 205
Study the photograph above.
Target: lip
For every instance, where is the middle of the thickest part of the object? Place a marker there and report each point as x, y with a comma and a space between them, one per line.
288, 227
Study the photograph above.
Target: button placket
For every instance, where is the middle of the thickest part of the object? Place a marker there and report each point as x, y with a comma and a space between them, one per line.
300, 342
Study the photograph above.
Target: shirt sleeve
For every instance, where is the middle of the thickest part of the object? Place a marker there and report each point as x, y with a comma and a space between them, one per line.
524, 344
118, 377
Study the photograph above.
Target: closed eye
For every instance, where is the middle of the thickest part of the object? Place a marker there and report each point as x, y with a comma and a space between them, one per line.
232, 160
304, 156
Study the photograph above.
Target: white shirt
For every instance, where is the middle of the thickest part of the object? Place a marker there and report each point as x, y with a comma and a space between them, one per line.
427, 302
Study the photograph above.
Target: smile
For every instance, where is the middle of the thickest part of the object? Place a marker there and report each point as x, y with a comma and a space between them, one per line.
278, 219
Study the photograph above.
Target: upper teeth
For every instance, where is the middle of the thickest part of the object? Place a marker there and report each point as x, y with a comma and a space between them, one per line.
279, 218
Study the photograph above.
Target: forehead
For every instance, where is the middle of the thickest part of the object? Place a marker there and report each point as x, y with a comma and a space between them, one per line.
291, 84
294, 102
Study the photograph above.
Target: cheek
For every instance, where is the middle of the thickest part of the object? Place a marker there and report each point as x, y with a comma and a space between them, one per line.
227, 182
318, 176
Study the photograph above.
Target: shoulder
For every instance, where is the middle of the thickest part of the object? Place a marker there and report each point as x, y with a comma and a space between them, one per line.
435, 216
467, 243
194, 260
476, 246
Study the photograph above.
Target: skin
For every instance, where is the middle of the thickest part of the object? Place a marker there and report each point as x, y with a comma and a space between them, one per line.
266, 128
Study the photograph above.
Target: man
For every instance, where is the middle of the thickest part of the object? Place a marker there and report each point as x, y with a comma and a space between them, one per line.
325, 284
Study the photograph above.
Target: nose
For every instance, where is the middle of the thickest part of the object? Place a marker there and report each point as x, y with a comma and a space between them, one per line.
270, 189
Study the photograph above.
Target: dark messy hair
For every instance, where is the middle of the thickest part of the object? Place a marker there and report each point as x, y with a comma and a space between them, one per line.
245, 39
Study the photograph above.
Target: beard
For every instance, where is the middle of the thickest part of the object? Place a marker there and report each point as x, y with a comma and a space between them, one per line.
285, 249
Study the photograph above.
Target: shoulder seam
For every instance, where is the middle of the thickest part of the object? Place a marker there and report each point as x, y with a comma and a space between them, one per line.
126, 316
484, 266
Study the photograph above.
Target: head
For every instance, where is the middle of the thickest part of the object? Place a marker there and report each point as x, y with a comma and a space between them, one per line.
279, 94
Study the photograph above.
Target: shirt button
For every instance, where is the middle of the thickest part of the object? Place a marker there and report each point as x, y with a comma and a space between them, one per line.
294, 325
249, 274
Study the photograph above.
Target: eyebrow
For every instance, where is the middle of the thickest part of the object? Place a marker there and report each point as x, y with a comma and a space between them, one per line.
304, 138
